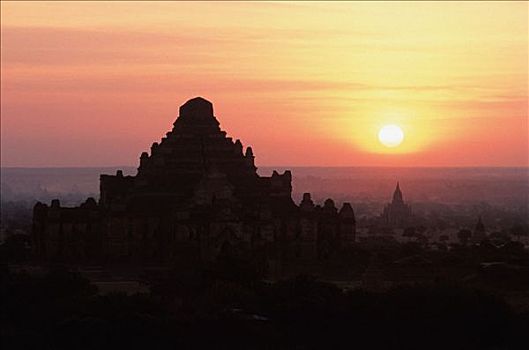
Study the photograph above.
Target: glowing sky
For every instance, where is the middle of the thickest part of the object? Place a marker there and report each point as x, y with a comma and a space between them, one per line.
93, 83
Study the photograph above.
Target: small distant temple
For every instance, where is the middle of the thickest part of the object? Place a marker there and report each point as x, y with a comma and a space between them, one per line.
196, 195
479, 234
397, 213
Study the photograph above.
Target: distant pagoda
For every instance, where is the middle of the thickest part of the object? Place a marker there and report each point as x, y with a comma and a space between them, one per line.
397, 213
479, 234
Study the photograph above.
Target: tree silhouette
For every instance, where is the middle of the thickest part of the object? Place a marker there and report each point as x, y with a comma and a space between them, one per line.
464, 235
517, 230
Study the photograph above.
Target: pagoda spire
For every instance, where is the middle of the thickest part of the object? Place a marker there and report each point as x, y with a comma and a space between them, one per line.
479, 225
397, 195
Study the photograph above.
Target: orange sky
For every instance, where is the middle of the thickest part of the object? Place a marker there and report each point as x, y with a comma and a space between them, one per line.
94, 84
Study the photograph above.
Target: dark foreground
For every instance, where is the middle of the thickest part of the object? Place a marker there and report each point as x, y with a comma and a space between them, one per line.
62, 310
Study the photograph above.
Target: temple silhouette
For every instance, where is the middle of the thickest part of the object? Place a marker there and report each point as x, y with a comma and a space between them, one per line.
196, 196
397, 213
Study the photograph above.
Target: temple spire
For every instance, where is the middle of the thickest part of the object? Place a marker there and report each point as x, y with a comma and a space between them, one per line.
197, 107
397, 195
479, 225
196, 117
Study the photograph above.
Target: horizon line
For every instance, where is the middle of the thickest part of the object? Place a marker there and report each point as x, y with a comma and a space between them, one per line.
284, 166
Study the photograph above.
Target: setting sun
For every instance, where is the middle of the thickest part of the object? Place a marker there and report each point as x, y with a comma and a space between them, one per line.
391, 135
339, 72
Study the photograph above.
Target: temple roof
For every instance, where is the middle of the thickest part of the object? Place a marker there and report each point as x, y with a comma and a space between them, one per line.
196, 118
197, 106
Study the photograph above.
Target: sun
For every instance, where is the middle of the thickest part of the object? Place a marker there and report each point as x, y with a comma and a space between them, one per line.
390, 135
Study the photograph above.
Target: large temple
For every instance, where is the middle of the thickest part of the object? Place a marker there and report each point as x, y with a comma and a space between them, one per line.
197, 195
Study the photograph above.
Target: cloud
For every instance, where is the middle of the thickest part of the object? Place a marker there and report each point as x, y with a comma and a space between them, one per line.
44, 46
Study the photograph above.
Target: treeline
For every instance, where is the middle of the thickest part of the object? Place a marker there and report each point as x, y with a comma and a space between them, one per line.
216, 309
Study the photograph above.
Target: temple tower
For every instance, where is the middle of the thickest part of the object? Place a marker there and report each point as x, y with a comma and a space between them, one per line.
397, 213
